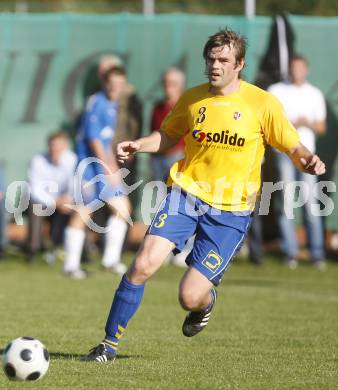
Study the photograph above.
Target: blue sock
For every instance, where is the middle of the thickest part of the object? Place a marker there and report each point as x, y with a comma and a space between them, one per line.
126, 301
213, 299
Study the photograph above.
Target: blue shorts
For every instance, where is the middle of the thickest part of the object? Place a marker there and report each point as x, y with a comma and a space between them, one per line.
93, 193
219, 234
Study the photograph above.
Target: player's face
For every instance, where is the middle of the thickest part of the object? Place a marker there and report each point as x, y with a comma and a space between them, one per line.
222, 68
115, 86
56, 148
298, 71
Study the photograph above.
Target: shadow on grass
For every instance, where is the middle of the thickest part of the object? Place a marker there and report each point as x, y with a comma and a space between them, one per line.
251, 282
76, 356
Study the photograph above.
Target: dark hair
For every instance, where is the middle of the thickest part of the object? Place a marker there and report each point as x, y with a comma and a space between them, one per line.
57, 134
298, 57
114, 70
226, 37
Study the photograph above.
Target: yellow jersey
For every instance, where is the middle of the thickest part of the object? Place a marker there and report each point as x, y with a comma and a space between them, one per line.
225, 139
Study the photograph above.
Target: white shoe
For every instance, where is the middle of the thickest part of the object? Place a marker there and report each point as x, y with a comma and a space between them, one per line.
291, 263
320, 265
50, 257
118, 268
78, 274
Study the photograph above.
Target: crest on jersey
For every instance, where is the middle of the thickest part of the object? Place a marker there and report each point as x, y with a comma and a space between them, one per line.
237, 115
107, 132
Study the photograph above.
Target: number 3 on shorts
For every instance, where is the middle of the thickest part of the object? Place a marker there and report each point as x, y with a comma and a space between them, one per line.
161, 220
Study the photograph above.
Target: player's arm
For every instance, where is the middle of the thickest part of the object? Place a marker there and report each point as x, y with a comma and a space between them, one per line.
92, 128
306, 161
157, 141
99, 152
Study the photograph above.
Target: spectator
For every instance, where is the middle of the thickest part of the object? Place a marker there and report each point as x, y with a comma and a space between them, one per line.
55, 168
173, 83
255, 234
304, 105
256, 238
94, 140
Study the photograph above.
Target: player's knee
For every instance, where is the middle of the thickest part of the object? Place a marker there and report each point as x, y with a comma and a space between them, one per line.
141, 270
79, 218
189, 300
126, 207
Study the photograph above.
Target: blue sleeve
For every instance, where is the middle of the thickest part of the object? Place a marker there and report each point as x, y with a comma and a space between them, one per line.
92, 120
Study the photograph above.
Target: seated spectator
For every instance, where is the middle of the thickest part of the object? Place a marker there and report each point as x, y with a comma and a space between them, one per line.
50, 177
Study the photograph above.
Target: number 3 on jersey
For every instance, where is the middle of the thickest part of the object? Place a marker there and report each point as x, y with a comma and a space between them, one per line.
201, 111
161, 220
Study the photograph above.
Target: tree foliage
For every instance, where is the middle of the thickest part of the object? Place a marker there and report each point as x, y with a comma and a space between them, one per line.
213, 7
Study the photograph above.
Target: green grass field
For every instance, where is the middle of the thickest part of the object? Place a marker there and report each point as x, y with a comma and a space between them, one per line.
272, 329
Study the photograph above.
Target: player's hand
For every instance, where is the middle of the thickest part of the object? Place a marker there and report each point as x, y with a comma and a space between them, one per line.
63, 203
125, 150
315, 166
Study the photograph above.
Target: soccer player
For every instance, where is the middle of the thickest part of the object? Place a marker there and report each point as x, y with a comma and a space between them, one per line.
100, 181
226, 124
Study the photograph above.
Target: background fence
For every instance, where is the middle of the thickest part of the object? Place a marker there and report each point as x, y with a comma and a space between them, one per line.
45, 59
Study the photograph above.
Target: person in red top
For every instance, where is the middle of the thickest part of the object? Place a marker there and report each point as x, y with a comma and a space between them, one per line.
173, 83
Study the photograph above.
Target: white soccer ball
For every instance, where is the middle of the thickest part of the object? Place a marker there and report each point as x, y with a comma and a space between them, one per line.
25, 358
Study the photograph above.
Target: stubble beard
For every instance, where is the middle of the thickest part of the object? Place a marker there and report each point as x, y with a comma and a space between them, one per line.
217, 85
